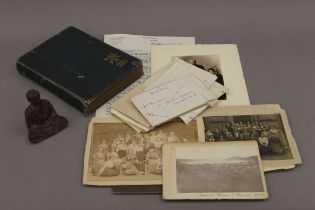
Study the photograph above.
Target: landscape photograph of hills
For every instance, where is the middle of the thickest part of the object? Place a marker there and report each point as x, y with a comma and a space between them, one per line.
233, 174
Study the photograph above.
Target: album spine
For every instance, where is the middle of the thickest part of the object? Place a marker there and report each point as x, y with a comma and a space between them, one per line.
58, 90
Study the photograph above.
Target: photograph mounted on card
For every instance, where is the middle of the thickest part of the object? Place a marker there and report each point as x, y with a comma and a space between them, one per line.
217, 170
115, 154
220, 60
266, 124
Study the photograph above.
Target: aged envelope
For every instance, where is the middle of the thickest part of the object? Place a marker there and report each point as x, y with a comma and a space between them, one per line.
176, 79
125, 110
138, 46
217, 89
169, 100
194, 113
216, 170
178, 69
115, 154
125, 106
266, 124
130, 121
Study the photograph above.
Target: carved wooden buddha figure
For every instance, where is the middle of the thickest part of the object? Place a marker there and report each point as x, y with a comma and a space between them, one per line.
41, 118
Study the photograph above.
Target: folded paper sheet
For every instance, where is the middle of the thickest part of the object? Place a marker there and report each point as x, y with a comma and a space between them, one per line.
189, 116
125, 110
176, 70
168, 101
179, 69
180, 89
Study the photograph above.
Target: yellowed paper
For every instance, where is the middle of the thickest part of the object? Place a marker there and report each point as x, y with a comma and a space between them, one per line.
187, 117
178, 69
125, 107
266, 124
130, 121
115, 154
125, 110
169, 100
216, 170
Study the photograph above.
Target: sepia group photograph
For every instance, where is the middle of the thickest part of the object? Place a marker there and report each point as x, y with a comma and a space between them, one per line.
216, 170
117, 155
267, 126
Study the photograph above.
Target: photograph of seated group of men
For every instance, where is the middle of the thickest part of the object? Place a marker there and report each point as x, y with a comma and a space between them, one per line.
267, 130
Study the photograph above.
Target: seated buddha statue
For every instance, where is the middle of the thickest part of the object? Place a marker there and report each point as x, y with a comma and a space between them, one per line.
41, 118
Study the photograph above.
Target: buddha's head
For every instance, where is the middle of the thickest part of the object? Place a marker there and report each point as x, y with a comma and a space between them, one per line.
33, 96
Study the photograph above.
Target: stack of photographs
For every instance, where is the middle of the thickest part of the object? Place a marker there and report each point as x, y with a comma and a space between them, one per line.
116, 155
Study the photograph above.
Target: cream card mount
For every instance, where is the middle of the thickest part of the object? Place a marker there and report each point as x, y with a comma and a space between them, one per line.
115, 154
224, 58
216, 170
267, 124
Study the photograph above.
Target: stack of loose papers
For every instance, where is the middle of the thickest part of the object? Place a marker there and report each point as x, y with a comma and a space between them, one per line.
178, 90
140, 47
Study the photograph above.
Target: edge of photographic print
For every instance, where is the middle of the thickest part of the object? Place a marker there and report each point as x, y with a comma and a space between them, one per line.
170, 183
269, 165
